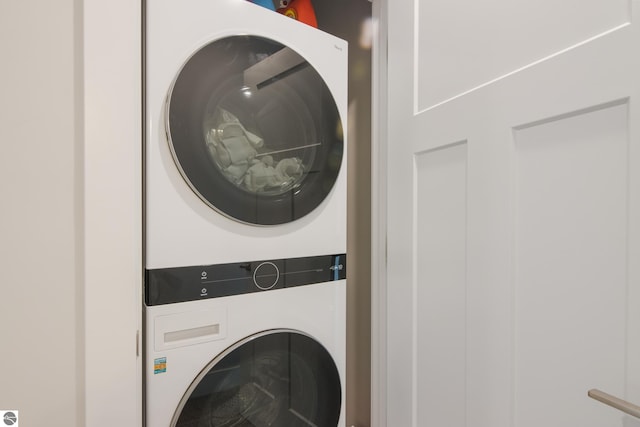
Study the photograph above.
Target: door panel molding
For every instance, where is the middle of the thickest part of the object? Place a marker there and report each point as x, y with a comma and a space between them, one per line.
528, 34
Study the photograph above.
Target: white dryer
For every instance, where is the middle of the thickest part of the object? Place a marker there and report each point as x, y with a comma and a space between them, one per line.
245, 135
274, 358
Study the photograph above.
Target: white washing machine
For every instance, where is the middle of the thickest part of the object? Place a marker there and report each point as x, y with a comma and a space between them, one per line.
245, 217
274, 358
245, 135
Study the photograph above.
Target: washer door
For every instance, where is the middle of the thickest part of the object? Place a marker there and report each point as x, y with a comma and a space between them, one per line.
255, 130
277, 379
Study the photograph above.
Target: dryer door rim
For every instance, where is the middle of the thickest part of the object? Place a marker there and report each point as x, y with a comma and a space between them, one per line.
245, 341
293, 114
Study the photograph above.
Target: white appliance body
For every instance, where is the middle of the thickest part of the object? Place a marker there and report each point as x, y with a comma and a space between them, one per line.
181, 229
217, 282
182, 340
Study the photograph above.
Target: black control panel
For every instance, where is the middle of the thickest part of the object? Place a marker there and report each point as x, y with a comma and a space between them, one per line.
181, 284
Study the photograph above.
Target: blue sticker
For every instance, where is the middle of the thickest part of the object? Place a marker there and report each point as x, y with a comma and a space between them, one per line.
160, 365
264, 3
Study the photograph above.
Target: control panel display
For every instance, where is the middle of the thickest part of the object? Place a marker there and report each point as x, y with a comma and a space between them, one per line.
181, 284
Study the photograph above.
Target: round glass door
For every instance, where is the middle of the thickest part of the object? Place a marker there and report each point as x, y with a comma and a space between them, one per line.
277, 379
255, 130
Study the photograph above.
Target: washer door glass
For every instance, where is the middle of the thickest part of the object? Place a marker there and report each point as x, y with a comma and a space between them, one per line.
278, 379
255, 130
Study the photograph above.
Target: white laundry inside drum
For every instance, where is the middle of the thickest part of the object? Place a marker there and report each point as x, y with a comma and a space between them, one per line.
247, 162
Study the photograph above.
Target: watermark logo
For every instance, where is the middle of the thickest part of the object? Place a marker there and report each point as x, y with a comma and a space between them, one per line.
9, 418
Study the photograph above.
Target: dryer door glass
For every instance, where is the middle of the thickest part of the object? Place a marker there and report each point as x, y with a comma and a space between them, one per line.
279, 379
255, 130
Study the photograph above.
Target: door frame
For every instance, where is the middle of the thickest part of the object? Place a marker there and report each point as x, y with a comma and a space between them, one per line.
379, 147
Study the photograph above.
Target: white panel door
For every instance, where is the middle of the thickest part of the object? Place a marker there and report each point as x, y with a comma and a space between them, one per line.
513, 212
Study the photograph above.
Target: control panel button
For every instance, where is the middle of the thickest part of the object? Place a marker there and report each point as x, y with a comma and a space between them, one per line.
266, 275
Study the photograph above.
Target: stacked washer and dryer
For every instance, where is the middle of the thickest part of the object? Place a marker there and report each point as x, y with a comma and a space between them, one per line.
245, 218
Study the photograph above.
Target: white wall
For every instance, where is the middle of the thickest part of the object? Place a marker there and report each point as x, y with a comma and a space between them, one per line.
40, 217
113, 210
70, 188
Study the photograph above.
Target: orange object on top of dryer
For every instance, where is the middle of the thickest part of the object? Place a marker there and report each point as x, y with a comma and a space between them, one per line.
301, 10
